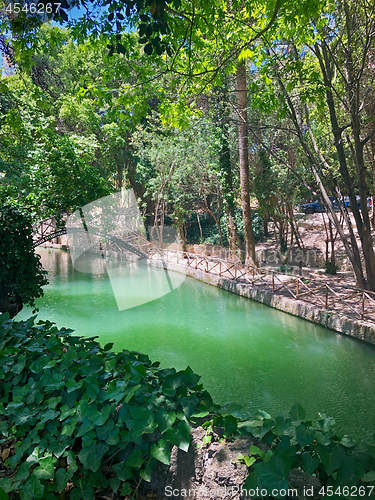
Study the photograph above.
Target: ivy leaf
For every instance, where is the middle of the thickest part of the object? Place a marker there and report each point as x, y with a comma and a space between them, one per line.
272, 474
86, 427
49, 415
68, 428
165, 419
310, 463
46, 469
297, 412
189, 404
350, 470
135, 459
331, 458
72, 385
114, 483
99, 418
131, 393
23, 472
230, 424
122, 471
89, 458
370, 476
179, 436
83, 490
126, 489
304, 435
62, 478
249, 461
161, 452
7, 485
32, 490
281, 425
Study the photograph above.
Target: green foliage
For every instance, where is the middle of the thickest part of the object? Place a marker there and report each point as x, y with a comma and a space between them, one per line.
292, 442
82, 414
61, 180
21, 273
180, 165
330, 267
40, 168
211, 234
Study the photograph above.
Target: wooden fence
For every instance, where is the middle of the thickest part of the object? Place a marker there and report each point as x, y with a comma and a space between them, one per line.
331, 296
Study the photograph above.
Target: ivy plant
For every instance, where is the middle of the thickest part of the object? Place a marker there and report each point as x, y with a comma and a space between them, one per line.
83, 417
344, 468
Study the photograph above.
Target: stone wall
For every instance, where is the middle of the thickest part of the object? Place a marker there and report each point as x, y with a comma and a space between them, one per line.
354, 328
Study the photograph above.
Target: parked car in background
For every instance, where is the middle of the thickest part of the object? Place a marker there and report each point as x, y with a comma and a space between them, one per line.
315, 207
312, 208
358, 198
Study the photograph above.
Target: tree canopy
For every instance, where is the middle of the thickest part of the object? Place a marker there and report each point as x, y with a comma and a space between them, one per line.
281, 86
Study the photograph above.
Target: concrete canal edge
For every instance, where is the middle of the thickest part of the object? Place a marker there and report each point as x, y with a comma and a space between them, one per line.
358, 329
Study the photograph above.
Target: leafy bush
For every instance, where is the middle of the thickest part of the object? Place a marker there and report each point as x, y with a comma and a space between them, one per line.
330, 267
86, 416
342, 466
211, 234
21, 273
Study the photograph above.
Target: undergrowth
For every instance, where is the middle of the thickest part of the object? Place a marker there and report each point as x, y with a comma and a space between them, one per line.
84, 417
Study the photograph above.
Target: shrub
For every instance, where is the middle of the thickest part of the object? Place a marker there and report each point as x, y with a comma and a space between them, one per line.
21, 273
330, 267
86, 416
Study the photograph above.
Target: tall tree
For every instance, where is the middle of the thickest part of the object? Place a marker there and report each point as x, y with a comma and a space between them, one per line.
243, 148
319, 70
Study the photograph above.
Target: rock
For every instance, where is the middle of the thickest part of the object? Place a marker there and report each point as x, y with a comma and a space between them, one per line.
214, 472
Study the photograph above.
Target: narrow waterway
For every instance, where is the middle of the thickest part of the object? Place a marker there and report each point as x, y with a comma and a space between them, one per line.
245, 352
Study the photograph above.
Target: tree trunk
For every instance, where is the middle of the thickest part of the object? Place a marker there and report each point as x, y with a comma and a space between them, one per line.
221, 117
265, 225
243, 147
362, 219
351, 248
232, 231
373, 180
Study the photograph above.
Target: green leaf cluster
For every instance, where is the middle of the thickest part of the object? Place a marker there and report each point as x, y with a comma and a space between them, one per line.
84, 415
21, 273
292, 442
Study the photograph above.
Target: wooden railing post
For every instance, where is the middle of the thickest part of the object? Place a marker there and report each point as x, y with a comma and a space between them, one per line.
363, 305
273, 282
297, 287
326, 296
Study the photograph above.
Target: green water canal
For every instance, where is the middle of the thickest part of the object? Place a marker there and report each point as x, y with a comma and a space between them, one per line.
246, 352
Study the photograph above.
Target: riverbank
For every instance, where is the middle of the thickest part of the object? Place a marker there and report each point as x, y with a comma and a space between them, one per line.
335, 318
362, 330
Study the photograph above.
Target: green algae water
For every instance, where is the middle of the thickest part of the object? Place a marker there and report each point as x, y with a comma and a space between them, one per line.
245, 352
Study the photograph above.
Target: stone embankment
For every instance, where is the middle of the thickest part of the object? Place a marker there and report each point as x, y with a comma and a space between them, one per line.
339, 322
